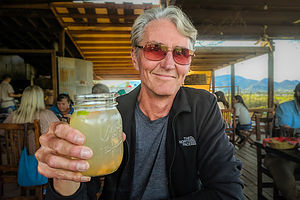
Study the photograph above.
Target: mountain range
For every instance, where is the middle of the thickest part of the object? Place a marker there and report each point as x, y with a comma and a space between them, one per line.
249, 85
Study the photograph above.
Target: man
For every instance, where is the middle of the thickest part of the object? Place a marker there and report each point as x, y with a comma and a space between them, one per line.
282, 170
288, 113
7, 95
175, 146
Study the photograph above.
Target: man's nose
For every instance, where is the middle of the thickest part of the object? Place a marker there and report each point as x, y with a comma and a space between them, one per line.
168, 62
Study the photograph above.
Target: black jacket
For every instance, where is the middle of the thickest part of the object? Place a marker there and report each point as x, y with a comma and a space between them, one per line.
200, 161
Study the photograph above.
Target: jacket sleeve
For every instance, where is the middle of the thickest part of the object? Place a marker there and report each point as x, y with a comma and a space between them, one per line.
86, 191
218, 169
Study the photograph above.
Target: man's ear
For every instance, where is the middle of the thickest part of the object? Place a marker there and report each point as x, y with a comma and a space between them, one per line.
134, 59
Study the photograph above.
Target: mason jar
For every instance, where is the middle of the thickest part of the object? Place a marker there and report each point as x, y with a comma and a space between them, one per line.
96, 116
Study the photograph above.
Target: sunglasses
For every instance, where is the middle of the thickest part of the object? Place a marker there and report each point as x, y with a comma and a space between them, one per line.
157, 52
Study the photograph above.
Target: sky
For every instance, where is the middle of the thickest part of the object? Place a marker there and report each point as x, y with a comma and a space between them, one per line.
286, 63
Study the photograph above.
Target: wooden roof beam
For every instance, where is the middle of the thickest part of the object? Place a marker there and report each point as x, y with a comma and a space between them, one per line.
100, 5
66, 24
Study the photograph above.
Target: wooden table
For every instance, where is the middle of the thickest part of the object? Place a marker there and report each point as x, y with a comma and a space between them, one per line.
289, 154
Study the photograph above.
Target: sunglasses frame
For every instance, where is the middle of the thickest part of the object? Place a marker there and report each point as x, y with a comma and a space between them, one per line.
191, 53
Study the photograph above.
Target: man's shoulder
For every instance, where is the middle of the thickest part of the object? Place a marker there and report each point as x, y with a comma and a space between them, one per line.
287, 103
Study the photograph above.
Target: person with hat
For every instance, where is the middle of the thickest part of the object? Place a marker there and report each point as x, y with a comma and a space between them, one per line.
282, 170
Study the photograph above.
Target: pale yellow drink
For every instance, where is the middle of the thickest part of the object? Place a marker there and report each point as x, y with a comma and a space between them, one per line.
103, 131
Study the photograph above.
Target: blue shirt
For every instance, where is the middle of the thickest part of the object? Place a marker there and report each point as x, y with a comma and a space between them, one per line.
288, 113
59, 115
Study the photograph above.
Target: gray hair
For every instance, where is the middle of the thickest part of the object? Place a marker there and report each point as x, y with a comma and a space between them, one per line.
172, 13
32, 102
100, 88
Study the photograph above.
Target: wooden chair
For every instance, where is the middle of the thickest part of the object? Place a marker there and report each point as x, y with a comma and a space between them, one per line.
229, 120
287, 132
11, 145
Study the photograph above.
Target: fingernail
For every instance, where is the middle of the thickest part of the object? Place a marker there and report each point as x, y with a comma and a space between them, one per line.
85, 178
82, 166
85, 153
78, 139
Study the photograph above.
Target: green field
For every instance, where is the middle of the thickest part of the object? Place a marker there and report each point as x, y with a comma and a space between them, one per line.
260, 100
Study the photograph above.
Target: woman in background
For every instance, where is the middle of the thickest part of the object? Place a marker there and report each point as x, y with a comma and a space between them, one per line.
244, 119
63, 108
221, 100
32, 107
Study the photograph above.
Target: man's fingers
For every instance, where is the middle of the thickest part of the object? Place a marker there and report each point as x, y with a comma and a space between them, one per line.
66, 148
49, 172
59, 162
66, 132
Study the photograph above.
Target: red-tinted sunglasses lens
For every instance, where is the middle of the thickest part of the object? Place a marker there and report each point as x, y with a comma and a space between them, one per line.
182, 56
158, 52
154, 52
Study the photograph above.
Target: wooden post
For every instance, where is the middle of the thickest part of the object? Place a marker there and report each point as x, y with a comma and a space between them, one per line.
213, 86
232, 84
54, 74
61, 48
271, 77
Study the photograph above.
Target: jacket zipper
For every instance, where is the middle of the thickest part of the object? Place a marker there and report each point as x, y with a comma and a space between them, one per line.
174, 138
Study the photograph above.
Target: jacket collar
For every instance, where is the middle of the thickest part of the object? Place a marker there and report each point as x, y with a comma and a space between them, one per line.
181, 103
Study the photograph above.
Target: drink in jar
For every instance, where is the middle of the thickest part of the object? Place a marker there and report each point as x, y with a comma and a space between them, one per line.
102, 127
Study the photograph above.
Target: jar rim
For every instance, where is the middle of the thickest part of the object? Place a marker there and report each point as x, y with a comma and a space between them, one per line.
91, 96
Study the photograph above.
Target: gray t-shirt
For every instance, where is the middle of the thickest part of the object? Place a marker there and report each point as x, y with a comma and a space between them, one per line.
150, 176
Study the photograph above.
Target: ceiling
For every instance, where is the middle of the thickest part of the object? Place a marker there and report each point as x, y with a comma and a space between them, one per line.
100, 32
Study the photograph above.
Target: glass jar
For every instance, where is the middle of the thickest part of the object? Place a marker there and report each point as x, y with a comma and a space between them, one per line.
97, 117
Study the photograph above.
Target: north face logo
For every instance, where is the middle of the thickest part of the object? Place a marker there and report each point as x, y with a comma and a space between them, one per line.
188, 141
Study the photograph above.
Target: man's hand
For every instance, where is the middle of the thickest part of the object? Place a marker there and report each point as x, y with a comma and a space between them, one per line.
62, 155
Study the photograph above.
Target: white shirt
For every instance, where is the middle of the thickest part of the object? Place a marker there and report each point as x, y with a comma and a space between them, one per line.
243, 114
6, 100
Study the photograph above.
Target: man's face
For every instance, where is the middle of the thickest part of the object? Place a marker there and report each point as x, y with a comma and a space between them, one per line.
63, 105
163, 77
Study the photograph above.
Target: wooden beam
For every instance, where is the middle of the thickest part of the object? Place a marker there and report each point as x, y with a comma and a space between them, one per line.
106, 54
231, 50
213, 81
38, 51
26, 6
95, 16
106, 50
54, 74
66, 24
232, 78
101, 39
110, 60
271, 78
70, 36
98, 32
101, 45
100, 5
62, 43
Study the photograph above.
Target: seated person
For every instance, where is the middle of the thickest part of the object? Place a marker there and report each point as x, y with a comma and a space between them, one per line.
32, 107
244, 119
63, 108
282, 170
221, 100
